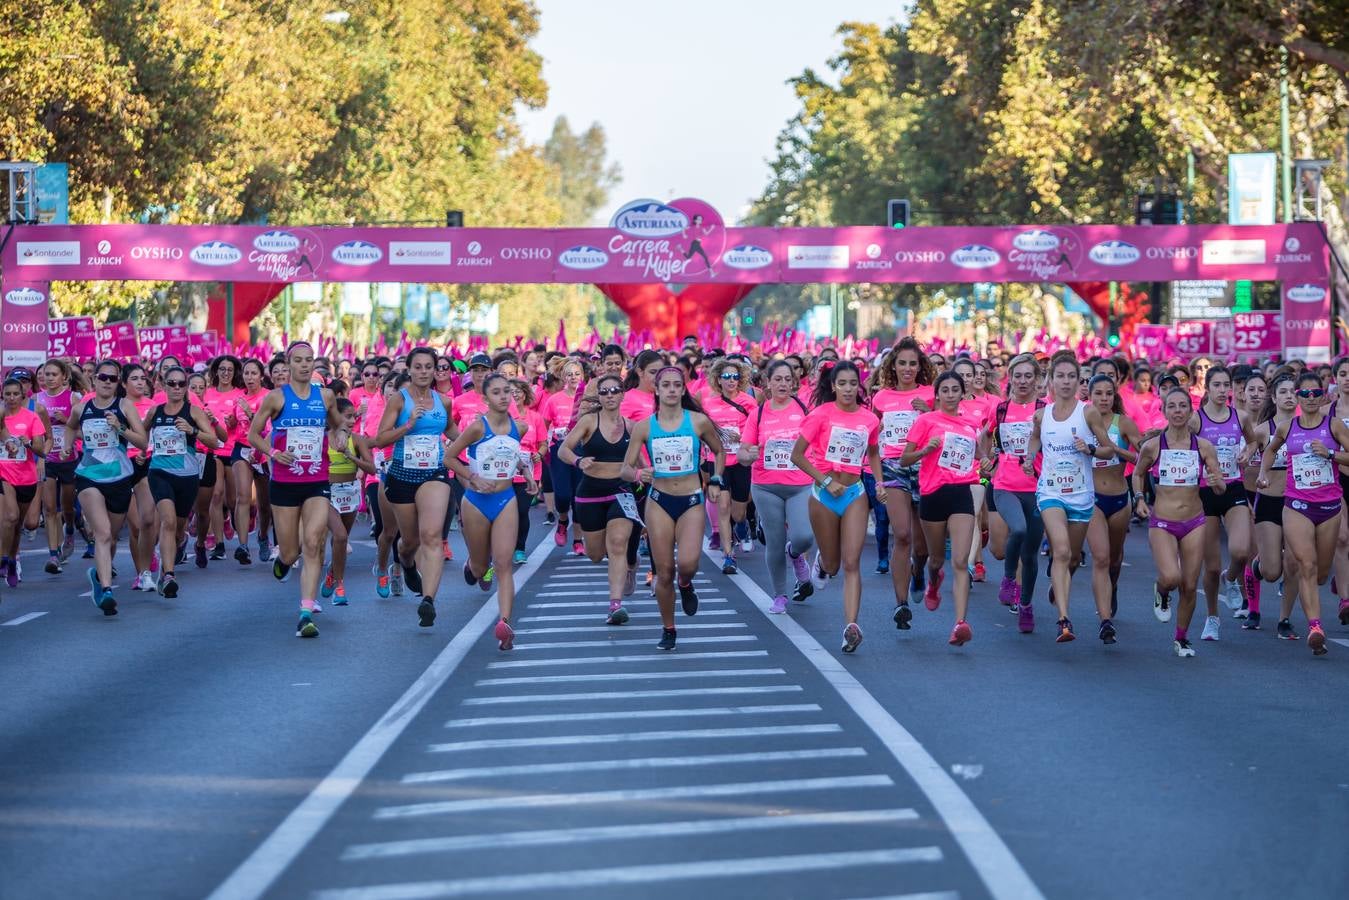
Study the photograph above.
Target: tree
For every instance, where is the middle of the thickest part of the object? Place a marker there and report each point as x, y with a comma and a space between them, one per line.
584, 178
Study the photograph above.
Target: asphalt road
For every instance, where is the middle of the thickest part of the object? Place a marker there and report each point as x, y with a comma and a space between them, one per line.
192, 744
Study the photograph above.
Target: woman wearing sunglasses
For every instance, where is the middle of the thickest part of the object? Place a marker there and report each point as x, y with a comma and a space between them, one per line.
107, 423
1271, 563
605, 508
1312, 499
176, 431
348, 458
141, 515
729, 407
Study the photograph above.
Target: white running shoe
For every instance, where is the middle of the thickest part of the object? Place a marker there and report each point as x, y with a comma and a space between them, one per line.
1211, 626
1183, 649
1231, 593
818, 578
747, 545
1161, 605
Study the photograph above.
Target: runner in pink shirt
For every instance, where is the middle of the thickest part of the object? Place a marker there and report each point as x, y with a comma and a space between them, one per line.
781, 491
837, 439
559, 412
945, 444
23, 438
141, 515
248, 474
978, 407
729, 407
223, 393
1015, 527
531, 446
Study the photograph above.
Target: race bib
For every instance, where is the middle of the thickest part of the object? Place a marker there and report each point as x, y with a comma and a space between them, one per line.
59, 440
777, 455
1066, 477
382, 465
730, 440
1280, 457
527, 460
345, 496
422, 451
1227, 462
13, 450
1015, 437
628, 504
895, 427
305, 443
496, 458
957, 453
672, 455
559, 435
167, 440
1311, 471
846, 446
1178, 468
97, 434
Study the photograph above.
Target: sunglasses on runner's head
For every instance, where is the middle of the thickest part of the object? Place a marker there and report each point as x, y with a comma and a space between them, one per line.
175, 384
609, 391
1310, 393
372, 373
443, 368
108, 379
730, 376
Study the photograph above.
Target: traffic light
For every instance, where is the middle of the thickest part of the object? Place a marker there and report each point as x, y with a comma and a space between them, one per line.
1112, 337
747, 314
1159, 209
897, 213
454, 218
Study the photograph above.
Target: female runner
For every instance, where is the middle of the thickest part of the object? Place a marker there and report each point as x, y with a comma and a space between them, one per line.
729, 407
945, 445
781, 491
107, 422
557, 411
388, 575
1017, 528
1175, 458
673, 438
978, 407
1312, 499
26, 437
492, 440
1064, 493
1340, 410
141, 515
1253, 393
59, 393
416, 421
348, 457
837, 439
531, 452
251, 479
1110, 521
222, 401
1272, 563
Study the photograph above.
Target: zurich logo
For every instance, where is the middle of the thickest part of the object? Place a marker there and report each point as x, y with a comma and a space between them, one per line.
215, 253
976, 256
1114, 253
104, 247
276, 242
1036, 241
474, 248
357, 253
25, 297
1306, 293
1292, 245
582, 257
649, 219
747, 256
873, 251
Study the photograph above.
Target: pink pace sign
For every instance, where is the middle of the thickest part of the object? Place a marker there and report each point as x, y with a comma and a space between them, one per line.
160, 341
1257, 333
117, 340
72, 337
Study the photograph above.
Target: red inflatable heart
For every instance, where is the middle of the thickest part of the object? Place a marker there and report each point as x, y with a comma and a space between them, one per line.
670, 315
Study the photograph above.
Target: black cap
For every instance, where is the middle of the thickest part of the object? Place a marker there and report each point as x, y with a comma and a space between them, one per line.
480, 359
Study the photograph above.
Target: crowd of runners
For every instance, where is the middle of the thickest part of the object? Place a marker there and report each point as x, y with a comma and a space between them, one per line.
1238, 473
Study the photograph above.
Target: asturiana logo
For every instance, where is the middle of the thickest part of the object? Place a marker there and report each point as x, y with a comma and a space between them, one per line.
976, 256
1114, 253
1306, 293
25, 297
357, 253
215, 253
747, 256
583, 257
276, 242
1036, 241
649, 219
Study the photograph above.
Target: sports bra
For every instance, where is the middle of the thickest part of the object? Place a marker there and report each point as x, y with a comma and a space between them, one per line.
601, 449
673, 453
338, 464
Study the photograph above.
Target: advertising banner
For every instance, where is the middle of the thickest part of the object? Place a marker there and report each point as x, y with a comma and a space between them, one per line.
23, 322
1306, 321
1154, 342
72, 337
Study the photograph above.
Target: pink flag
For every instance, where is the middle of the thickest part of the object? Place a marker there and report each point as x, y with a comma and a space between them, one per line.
560, 343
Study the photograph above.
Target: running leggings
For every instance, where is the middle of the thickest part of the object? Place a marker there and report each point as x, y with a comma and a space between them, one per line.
1025, 530
523, 500
784, 509
565, 480
882, 515
372, 504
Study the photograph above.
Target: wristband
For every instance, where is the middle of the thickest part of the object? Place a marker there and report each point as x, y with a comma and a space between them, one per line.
715, 481
828, 480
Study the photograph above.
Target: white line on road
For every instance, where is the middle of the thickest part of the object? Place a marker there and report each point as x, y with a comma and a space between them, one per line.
589, 660
590, 617
632, 762
265, 864
27, 617
609, 629
588, 696
546, 837
925, 895
500, 801
1001, 872
633, 737
635, 642
691, 712
626, 875
621, 676
701, 599
1341, 642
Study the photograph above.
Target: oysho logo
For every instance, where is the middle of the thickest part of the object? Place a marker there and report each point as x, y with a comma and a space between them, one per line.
215, 253
518, 253
976, 256
276, 242
1173, 252
156, 252
1036, 241
649, 219
25, 297
1306, 293
409, 253
358, 253
1113, 253
920, 256
48, 253
582, 257
747, 256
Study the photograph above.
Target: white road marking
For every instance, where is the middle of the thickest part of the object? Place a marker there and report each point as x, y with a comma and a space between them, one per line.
588, 696
693, 712
925, 895
629, 600
1341, 642
27, 617
648, 657
499, 801
1001, 872
562, 836
269, 859
629, 875
633, 737
609, 629
590, 617
636, 642
632, 762
620, 676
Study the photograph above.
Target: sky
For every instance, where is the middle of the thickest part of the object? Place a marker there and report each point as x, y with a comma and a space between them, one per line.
691, 94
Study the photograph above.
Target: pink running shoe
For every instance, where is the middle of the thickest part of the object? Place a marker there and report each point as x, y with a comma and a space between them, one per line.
1007, 591
961, 634
800, 568
932, 596
1025, 618
504, 634
779, 605
1344, 612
